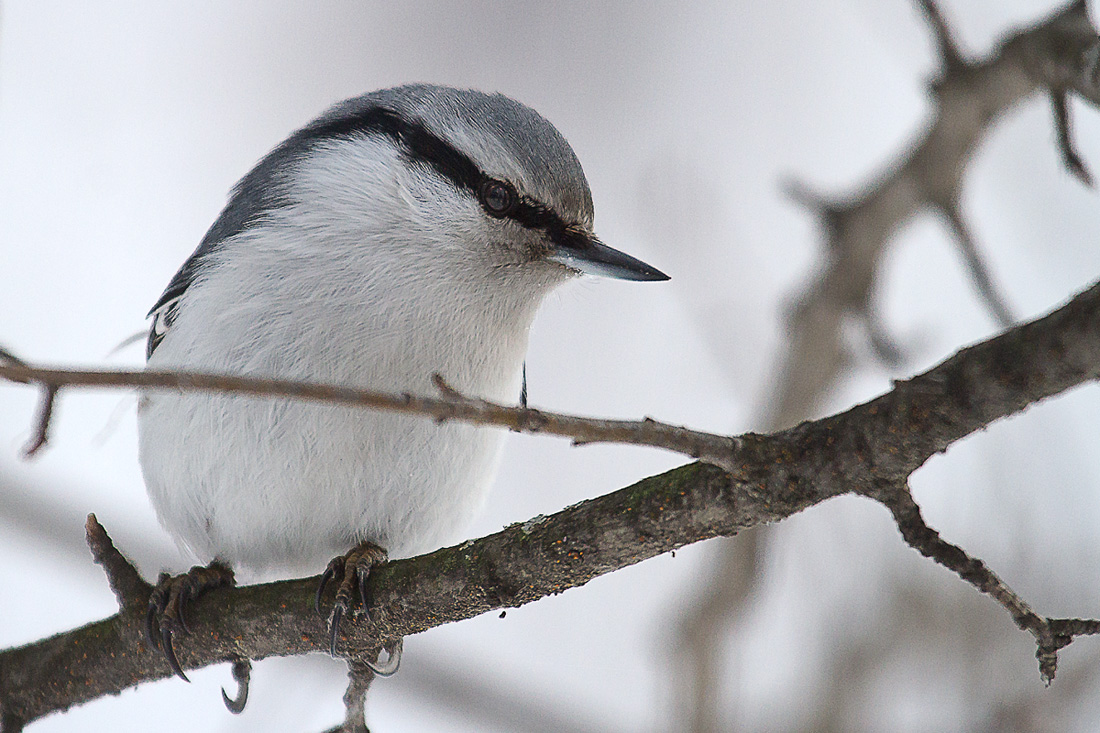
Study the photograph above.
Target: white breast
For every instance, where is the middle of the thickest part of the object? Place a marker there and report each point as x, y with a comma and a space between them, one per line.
327, 294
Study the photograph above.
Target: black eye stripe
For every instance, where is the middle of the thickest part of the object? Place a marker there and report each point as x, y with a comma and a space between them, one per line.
259, 192
534, 215
421, 145
414, 139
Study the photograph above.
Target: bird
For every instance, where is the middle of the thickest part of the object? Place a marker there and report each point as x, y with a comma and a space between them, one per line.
408, 232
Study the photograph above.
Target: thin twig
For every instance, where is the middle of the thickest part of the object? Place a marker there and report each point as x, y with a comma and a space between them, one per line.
826, 210
715, 449
948, 50
42, 422
877, 443
859, 231
11, 358
976, 266
1050, 634
1072, 159
360, 677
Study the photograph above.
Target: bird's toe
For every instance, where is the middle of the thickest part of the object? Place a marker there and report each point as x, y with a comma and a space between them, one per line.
352, 570
166, 615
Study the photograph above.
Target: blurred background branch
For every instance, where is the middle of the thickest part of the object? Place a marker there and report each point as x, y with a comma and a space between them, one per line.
970, 97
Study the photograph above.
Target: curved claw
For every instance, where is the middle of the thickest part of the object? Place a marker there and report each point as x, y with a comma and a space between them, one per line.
392, 663
353, 571
181, 608
334, 626
151, 626
362, 574
326, 577
157, 601
236, 705
170, 653
168, 601
242, 673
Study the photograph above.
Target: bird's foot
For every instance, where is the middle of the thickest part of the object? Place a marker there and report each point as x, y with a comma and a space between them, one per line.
351, 571
168, 604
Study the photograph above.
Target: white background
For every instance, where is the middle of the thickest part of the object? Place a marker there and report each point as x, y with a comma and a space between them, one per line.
123, 125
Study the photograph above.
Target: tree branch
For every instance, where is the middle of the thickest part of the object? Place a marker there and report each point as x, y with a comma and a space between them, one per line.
950, 55
1050, 634
42, 422
876, 444
864, 450
1056, 54
1073, 161
976, 266
451, 405
131, 591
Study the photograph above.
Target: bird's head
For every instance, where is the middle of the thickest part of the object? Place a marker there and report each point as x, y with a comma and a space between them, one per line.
476, 175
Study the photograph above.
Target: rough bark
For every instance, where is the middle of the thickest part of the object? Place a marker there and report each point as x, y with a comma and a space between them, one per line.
870, 449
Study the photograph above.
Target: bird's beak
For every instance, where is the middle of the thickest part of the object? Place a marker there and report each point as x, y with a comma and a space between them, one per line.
592, 257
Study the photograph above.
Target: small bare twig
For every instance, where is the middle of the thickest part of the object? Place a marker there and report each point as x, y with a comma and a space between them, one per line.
1033, 710
11, 358
360, 677
825, 209
42, 422
949, 52
130, 589
876, 444
1073, 161
976, 266
28, 509
715, 449
781, 474
1050, 634
1058, 52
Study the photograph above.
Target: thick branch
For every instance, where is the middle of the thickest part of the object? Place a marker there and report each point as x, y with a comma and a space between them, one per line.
877, 443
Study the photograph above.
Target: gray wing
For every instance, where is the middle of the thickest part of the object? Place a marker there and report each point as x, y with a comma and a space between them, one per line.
257, 194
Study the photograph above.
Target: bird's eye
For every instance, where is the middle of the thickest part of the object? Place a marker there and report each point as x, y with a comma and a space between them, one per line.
497, 198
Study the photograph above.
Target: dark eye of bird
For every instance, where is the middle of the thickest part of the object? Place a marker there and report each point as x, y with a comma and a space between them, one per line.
497, 197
